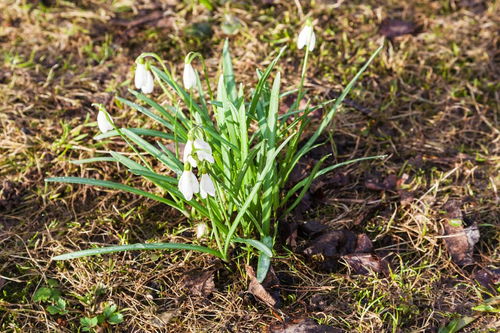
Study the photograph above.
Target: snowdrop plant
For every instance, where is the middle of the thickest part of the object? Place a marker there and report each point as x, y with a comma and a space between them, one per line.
238, 153
104, 124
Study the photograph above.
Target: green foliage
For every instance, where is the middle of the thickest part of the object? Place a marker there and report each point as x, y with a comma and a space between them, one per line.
109, 315
254, 151
52, 296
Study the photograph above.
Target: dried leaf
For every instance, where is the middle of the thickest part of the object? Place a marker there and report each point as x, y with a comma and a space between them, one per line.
303, 326
288, 233
258, 290
363, 244
199, 283
331, 243
460, 241
366, 262
391, 28
311, 228
390, 183
488, 278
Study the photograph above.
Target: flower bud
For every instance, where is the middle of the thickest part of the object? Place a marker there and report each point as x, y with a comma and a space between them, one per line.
103, 123
189, 76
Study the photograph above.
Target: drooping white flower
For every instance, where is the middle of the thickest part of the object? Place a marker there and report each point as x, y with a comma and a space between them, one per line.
188, 184
189, 76
143, 79
149, 83
307, 37
187, 156
203, 150
206, 186
103, 123
201, 230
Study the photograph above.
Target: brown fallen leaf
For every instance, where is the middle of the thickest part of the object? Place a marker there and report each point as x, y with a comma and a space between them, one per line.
287, 231
303, 326
459, 240
330, 246
392, 28
363, 244
364, 263
141, 19
390, 183
199, 283
258, 290
311, 228
331, 243
488, 278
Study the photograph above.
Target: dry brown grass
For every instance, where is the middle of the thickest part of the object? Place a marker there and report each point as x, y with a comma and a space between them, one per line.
432, 102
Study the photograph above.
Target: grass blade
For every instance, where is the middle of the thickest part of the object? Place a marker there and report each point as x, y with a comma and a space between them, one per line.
135, 247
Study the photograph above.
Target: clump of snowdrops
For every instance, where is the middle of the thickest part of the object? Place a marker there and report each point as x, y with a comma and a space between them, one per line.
233, 152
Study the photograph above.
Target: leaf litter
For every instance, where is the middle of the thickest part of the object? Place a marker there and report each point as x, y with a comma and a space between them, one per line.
460, 240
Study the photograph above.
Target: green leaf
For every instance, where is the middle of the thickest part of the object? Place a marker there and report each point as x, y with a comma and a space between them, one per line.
141, 131
53, 309
486, 308
253, 193
88, 322
45, 294
329, 116
108, 310
93, 160
116, 186
457, 324
255, 243
115, 319
58, 308
152, 150
135, 247
179, 129
227, 67
264, 261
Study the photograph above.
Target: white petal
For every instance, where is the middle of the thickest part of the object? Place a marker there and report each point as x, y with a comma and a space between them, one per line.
201, 229
203, 150
188, 185
206, 186
189, 77
140, 75
312, 42
302, 39
148, 86
187, 157
103, 122
194, 183
306, 37
185, 187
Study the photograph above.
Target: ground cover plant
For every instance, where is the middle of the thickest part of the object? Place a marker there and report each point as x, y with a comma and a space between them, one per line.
244, 152
407, 243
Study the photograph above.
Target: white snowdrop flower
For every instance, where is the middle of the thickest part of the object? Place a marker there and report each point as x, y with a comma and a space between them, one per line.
188, 184
203, 150
206, 186
143, 79
103, 123
307, 37
187, 156
189, 77
201, 230
149, 83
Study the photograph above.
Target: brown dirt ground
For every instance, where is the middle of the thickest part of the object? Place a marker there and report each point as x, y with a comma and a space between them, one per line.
429, 101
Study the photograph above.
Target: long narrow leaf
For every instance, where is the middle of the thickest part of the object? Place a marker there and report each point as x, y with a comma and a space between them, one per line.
116, 186
255, 243
135, 247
